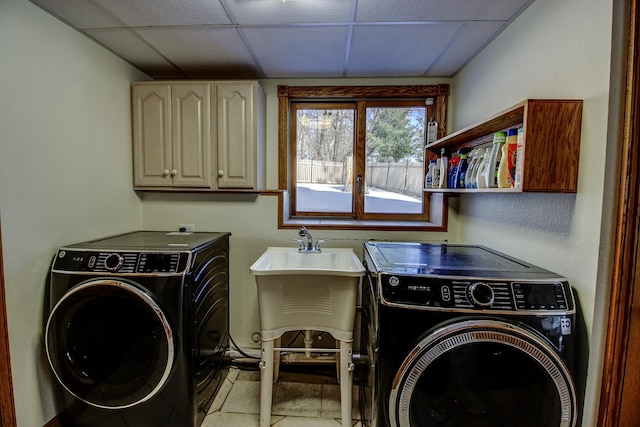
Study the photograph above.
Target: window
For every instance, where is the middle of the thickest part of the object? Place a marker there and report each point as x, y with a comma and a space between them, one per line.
355, 155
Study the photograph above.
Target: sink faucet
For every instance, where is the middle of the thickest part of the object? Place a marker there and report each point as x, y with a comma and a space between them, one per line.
308, 247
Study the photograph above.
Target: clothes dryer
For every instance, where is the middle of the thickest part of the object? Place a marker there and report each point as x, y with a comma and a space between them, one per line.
459, 336
137, 328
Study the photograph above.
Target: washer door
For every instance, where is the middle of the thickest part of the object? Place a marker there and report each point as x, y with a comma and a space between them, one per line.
109, 344
482, 373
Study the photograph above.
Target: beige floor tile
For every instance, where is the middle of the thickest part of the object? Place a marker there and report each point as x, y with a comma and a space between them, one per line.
331, 402
221, 396
244, 397
310, 403
307, 422
249, 376
298, 399
226, 419
233, 374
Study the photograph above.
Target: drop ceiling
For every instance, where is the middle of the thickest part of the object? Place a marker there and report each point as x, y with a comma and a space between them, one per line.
292, 38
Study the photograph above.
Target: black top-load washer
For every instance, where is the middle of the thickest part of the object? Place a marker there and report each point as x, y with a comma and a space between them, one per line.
137, 328
462, 335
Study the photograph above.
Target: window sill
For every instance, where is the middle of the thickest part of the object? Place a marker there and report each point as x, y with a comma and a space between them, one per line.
438, 202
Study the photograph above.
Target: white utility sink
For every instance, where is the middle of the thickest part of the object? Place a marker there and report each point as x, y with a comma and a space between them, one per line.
282, 260
309, 291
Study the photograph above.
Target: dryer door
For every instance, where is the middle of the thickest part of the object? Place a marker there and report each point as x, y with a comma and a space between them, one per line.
109, 344
482, 373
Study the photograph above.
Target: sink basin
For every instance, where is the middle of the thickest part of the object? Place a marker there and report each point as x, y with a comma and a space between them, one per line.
279, 260
307, 291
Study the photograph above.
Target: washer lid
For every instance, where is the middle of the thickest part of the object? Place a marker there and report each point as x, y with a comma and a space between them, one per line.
451, 260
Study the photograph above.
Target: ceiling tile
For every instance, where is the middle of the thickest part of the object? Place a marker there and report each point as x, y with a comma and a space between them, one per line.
504, 10
269, 12
472, 38
301, 52
130, 47
201, 48
80, 13
166, 12
415, 48
416, 10
292, 38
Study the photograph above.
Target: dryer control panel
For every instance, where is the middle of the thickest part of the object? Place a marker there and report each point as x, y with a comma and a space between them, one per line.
474, 294
121, 262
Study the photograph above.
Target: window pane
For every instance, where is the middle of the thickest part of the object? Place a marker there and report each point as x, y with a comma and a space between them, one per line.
394, 160
324, 160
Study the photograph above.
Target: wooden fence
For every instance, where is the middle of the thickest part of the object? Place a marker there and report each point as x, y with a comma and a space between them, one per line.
405, 178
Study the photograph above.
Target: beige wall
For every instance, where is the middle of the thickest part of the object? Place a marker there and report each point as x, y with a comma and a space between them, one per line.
65, 134
553, 50
65, 162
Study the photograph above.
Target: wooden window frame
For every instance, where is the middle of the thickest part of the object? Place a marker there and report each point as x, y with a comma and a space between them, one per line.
288, 94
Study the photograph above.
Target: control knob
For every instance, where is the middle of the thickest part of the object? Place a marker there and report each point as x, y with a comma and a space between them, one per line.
480, 294
113, 262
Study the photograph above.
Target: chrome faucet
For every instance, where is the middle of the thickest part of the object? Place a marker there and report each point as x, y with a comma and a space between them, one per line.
308, 247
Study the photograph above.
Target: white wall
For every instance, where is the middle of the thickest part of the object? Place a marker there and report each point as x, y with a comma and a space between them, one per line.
65, 171
555, 49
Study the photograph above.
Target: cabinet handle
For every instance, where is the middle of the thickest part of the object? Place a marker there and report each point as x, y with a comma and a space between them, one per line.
165, 173
173, 173
220, 173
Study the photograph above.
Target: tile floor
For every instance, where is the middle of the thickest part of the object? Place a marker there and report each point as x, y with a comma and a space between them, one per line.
300, 400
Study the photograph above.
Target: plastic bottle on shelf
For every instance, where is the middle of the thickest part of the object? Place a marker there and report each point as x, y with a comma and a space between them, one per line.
476, 156
436, 175
517, 179
453, 172
461, 171
482, 168
499, 138
428, 179
444, 168
507, 163
432, 130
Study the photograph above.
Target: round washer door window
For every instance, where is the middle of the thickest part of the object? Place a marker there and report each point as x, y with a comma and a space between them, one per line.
109, 344
482, 373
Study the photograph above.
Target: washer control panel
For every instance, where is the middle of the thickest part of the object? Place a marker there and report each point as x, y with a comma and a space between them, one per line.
430, 292
137, 263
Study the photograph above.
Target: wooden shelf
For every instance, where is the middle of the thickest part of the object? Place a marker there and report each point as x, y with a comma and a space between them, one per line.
551, 144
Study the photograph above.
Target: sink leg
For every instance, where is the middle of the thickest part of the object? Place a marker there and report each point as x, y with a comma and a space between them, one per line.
276, 360
266, 383
346, 381
308, 342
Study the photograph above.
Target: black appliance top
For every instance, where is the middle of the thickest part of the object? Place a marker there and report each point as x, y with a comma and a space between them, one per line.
151, 241
464, 278
451, 260
137, 253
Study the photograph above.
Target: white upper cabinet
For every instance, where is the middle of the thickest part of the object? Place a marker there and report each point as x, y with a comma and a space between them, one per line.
197, 136
239, 122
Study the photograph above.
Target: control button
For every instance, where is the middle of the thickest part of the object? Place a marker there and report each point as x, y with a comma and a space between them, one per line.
480, 294
445, 292
113, 262
92, 261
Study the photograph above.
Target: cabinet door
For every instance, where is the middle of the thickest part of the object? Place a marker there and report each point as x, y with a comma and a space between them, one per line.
151, 135
237, 134
191, 123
